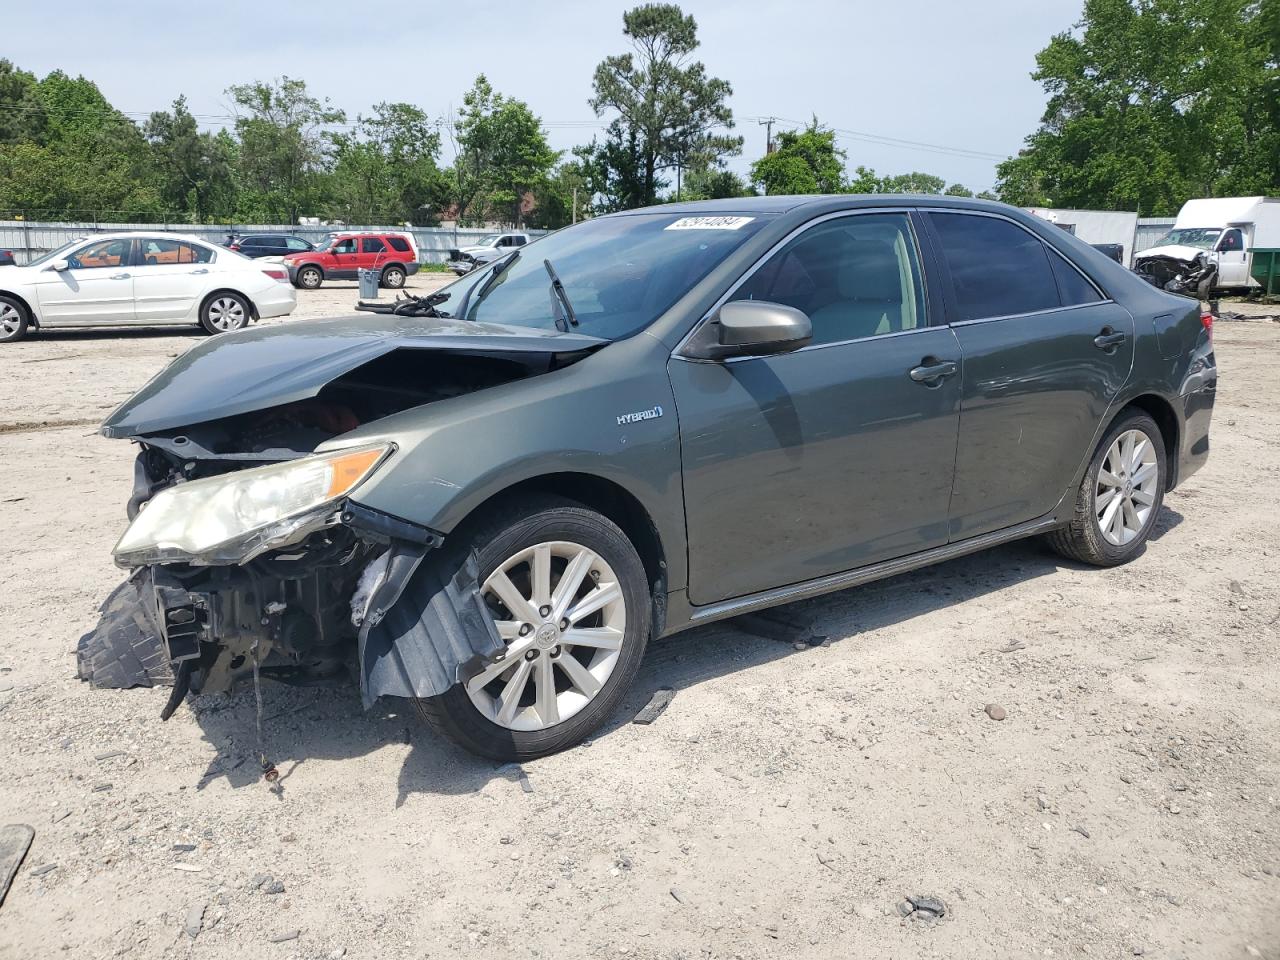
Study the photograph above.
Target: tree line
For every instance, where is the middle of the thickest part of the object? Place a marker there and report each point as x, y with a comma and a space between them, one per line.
1151, 102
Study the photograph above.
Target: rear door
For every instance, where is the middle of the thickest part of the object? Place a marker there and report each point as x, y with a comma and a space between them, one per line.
170, 278
1045, 353
96, 287
836, 455
373, 252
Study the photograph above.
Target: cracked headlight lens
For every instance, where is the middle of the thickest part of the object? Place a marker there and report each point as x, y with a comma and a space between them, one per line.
234, 517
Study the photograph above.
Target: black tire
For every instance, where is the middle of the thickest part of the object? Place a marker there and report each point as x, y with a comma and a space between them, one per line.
393, 278
214, 302
11, 329
310, 277
1082, 539
123, 650
453, 715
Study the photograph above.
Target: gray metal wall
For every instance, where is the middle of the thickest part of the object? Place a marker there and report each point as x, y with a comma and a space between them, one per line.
1150, 229
29, 239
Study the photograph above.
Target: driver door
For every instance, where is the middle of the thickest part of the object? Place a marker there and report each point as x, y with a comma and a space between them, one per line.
96, 287
836, 455
345, 258
1233, 258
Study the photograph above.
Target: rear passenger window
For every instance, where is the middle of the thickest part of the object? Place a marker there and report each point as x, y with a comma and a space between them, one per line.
1073, 288
855, 277
372, 245
997, 269
399, 244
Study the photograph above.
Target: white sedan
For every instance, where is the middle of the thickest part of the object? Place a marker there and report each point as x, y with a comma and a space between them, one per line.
141, 278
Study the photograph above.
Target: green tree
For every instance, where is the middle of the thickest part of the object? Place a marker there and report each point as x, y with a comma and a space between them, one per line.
711, 183
194, 168
667, 109
804, 161
1152, 102
21, 112
387, 169
502, 156
283, 152
915, 182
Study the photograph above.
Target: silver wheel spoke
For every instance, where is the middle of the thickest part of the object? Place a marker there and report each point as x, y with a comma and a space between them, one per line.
1116, 527
545, 681
540, 571
1131, 522
508, 629
1106, 497
512, 598
1144, 473
498, 667
1109, 479
1144, 498
582, 678
602, 638
593, 601
511, 693
569, 583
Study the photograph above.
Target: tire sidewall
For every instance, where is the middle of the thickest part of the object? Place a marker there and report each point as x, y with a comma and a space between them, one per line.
574, 524
310, 272
389, 274
1108, 553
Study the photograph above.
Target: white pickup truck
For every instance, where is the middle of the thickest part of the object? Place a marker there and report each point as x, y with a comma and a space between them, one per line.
465, 259
1227, 230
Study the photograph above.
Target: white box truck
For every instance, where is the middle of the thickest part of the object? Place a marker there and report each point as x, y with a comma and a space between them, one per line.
1228, 230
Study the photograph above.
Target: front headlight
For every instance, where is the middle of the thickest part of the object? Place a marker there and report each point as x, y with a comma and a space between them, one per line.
234, 517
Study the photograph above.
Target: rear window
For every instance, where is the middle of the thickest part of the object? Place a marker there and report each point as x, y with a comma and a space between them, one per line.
1073, 288
372, 245
399, 243
997, 268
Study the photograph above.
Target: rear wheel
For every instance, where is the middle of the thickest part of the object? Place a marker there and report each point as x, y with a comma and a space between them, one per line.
570, 599
393, 277
1120, 496
225, 311
309, 278
14, 321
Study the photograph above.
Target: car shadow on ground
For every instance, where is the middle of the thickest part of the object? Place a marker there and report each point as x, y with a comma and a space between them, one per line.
78, 334
328, 723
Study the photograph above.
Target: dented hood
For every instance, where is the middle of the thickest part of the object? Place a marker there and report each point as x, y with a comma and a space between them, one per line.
1176, 251
235, 373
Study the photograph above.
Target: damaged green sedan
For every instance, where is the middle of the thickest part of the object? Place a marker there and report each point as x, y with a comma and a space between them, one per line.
492, 500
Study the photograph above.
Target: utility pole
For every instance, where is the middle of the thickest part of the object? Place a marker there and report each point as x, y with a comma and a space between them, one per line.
575, 204
768, 123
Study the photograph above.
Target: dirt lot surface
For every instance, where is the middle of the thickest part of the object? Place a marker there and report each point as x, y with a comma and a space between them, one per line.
781, 807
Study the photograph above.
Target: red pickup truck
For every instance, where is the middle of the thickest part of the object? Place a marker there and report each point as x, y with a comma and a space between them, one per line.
394, 254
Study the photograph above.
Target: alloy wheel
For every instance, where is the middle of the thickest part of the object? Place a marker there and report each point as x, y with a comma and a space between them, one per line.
1126, 489
10, 319
559, 608
226, 313
310, 278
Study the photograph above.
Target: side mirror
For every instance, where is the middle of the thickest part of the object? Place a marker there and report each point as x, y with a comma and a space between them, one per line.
747, 328
60, 266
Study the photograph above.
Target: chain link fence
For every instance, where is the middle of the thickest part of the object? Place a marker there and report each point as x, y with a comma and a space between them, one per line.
28, 237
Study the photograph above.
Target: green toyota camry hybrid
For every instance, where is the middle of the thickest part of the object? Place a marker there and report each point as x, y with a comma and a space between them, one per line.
492, 499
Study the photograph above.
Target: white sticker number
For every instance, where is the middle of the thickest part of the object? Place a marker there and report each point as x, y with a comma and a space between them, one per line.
709, 223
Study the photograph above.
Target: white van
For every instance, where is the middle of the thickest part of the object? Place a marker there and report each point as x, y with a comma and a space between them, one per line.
1229, 229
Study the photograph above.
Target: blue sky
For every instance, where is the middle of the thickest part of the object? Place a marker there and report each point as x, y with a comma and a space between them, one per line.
932, 71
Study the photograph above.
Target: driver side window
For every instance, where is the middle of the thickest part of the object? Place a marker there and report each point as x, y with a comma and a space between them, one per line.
1231, 241
855, 277
345, 246
104, 253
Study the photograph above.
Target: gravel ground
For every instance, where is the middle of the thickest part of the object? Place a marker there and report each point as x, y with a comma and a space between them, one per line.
784, 804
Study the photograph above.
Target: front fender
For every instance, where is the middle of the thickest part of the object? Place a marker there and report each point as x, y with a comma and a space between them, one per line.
610, 415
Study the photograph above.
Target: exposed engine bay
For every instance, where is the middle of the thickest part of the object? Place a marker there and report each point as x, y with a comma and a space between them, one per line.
1191, 277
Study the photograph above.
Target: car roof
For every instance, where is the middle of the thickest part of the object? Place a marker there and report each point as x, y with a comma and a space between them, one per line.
835, 201
156, 234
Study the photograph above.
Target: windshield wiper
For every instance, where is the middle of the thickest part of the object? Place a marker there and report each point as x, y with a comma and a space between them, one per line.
558, 289
499, 266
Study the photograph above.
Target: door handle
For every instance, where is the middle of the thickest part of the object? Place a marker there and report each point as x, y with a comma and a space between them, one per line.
120, 276
1108, 340
931, 370
201, 270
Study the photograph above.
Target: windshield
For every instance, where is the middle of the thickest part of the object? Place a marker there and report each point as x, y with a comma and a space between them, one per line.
488, 240
1202, 237
55, 253
620, 273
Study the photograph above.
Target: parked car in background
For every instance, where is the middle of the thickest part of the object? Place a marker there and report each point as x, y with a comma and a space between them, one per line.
140, 279
485, 250
1113, 250
393, 255
6, 258
255, 245
1219, 234
646, 422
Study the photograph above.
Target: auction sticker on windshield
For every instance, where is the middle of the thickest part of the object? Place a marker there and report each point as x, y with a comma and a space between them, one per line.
709, 223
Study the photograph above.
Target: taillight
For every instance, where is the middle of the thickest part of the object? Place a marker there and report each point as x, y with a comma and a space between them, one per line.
234, 246
282, 275
1206, 321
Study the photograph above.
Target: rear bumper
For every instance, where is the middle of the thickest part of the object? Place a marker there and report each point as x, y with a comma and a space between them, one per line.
280, 301
1199, 390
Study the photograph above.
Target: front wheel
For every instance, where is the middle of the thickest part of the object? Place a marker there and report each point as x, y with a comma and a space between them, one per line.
393, 277
310, 278
1120, 496
570, 599
13, 320
224, 312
